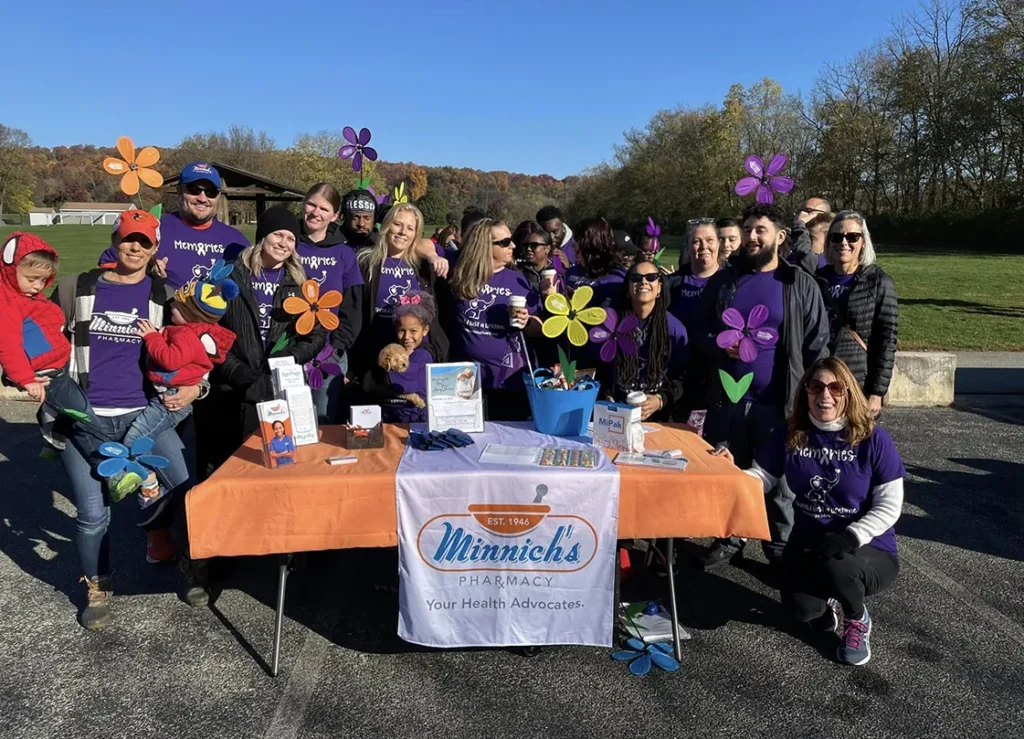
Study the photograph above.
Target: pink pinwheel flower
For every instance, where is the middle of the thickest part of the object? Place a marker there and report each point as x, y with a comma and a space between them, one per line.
750, 334
613, 335
765, 181
357, 148
318, 369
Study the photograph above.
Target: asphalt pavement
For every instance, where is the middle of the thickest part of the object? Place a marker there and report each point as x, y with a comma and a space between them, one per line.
948, 644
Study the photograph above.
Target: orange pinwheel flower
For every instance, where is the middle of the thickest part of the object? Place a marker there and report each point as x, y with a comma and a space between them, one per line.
132, 168
313, 307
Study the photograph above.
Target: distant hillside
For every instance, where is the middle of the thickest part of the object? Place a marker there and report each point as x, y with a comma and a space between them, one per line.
74, 174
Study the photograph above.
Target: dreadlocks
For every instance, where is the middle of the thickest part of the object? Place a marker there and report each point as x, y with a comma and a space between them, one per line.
652, 337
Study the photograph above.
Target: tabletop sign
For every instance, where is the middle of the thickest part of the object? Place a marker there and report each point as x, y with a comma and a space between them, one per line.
454, 397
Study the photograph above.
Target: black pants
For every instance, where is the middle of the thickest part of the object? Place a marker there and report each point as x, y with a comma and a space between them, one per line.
809, 580
744, 428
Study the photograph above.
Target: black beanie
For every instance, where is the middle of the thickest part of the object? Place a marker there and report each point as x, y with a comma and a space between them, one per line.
277, 218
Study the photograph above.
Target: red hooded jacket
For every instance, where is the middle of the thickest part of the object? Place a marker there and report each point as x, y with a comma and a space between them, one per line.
183, 355
31, 328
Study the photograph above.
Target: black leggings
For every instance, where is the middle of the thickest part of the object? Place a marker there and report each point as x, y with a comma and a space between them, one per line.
808, 580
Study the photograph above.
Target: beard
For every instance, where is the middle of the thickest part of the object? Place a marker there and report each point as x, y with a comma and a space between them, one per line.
758, 261
355, 239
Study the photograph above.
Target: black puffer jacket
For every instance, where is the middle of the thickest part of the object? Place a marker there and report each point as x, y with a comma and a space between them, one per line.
872, 311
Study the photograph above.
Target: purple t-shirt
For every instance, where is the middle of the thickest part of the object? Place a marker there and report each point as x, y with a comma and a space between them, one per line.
832, 482
115, 349
686, 297
839, 287
191, 252
678, 355
333, 267
413, 380
760, 288
397, 278
265, 288
481, 328
575, 277
607, 288
568, 248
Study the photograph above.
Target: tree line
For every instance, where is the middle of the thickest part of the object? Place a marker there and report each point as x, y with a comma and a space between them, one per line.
924, 131
33, 176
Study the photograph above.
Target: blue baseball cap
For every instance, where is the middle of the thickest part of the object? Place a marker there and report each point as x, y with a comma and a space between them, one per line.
200, 171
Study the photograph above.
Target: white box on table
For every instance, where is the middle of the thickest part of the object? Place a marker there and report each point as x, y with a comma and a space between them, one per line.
364, 416
275, 362
619, 426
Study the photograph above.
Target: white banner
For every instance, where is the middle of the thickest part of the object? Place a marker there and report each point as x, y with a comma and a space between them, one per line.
493, 556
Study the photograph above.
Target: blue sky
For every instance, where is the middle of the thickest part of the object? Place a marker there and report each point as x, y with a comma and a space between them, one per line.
528, 86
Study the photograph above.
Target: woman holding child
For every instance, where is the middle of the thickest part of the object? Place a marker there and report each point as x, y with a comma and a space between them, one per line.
103, 310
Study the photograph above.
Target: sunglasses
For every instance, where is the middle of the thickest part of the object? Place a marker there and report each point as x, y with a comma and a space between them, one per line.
851, 238
210, 190
701, 222
504, 243
835, 389
535, 244
636, 278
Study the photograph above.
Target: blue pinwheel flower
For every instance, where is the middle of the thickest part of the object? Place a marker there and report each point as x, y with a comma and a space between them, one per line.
640, 657
137, 459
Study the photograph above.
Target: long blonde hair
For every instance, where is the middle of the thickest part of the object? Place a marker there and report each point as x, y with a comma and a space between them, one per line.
860, 422
475, 267
252, 259
371, 258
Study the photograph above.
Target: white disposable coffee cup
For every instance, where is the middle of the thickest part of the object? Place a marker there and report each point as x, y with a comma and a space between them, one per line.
636, 398
517, 301
548, 274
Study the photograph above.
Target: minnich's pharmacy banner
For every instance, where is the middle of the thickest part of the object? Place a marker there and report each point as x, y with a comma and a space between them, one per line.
505, 556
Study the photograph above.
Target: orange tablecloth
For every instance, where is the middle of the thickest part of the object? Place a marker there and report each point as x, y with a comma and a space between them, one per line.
247, 509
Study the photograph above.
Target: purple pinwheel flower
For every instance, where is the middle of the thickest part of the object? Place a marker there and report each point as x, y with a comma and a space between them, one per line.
750, 334
318, 369
381, 199
613, 335
357, 148
765, 181
654, 231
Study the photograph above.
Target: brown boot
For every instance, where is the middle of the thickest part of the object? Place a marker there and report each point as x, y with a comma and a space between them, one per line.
97, 611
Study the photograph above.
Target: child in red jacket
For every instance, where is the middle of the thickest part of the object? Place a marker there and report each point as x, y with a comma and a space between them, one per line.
180, 355
32, 341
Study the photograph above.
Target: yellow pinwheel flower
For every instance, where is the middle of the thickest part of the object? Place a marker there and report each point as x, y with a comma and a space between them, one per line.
399, 194
572, 316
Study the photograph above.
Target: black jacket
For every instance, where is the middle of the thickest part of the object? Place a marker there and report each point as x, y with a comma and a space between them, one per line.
873, 312
804, 337
350, 312
363, 356
245, 370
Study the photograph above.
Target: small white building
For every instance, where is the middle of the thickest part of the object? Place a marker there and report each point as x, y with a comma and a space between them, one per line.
90, 214
41, 216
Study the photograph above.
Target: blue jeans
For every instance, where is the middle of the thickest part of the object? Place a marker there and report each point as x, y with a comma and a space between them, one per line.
92, 539
330, 399
154, 420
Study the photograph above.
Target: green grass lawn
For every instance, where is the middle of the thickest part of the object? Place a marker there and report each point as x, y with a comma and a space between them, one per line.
947, 300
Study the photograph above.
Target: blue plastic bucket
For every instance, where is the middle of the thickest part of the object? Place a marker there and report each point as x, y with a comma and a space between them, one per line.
561, 412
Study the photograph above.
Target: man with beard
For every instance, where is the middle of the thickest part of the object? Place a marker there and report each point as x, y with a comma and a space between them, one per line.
192, 239
358, 217
790, 331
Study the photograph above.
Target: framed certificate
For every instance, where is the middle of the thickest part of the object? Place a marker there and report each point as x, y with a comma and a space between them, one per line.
454, 397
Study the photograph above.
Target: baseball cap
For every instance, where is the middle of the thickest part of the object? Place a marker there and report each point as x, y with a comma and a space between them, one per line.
625, 243
138, 222
200, 171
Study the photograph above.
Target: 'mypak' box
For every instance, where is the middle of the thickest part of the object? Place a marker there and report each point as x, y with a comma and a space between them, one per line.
303, 412
288, 377
618, 425
276, 433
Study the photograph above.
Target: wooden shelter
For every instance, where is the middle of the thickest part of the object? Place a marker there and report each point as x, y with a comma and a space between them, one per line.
241, 185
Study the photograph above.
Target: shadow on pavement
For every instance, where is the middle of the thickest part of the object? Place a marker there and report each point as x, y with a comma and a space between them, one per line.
952, 498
